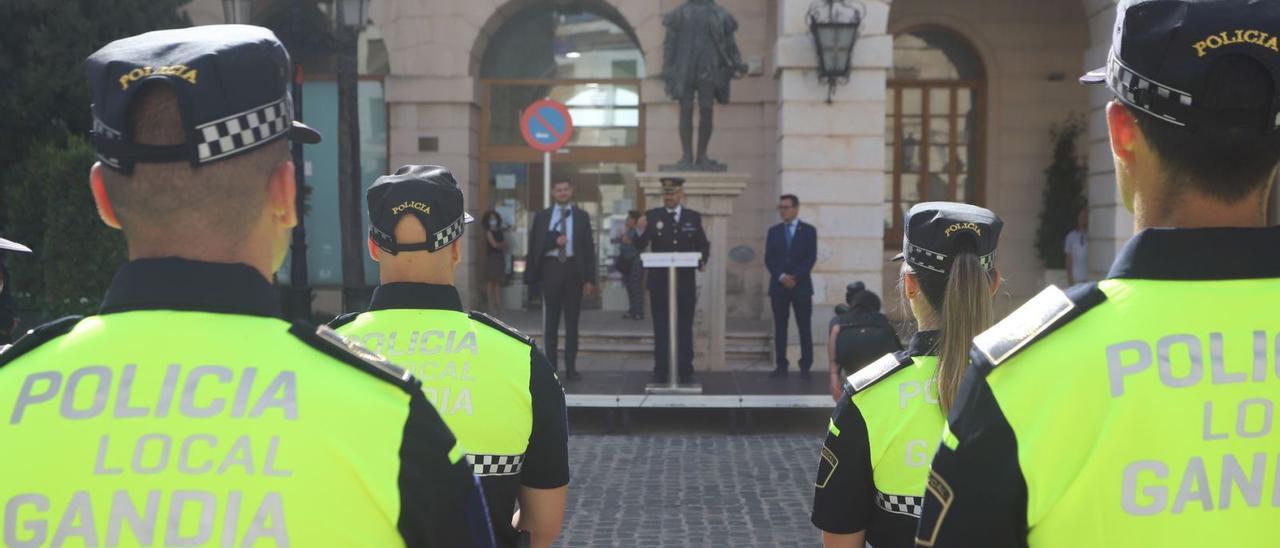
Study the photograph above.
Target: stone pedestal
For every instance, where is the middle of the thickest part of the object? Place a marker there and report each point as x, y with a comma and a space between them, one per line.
712, 195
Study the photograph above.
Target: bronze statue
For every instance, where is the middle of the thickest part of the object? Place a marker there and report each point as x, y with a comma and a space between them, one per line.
700, 58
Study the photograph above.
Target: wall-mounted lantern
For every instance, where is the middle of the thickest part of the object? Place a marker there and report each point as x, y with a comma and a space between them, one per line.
834, 25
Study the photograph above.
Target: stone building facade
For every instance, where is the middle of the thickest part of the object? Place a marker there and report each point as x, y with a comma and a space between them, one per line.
1015, 75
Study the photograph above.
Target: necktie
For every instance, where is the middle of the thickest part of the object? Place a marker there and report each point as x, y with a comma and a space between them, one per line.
564, 216
791, 234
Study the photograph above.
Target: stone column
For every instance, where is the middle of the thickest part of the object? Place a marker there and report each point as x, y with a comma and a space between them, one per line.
1110, 224
712, 195
832, 155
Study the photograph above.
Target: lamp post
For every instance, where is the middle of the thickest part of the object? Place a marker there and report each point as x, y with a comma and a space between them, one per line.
237, 11
299, 282
350, 17
834, 25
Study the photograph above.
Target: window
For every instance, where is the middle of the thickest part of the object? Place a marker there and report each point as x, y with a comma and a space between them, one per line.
933, 124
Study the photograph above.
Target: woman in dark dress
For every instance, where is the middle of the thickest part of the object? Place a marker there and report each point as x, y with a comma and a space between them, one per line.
495, 259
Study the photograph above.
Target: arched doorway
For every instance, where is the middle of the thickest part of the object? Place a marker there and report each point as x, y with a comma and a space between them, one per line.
588, 59
934, 124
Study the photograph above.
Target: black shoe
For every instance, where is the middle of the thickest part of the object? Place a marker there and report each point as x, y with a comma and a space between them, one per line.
804, 373
686, 379
572, 375
778, 374
660, 378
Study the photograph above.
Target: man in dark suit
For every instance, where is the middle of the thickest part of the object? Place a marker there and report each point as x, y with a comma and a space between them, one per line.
673, 228
791, 249
562, 261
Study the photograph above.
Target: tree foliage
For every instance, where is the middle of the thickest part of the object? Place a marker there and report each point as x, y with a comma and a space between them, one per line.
44, 155
76, 254
1063, 196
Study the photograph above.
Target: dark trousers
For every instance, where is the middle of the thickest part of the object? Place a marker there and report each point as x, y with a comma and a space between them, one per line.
783, 301
686, 302
561, 292
635, 288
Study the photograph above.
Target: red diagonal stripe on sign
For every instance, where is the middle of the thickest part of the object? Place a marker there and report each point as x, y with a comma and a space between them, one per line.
550, 129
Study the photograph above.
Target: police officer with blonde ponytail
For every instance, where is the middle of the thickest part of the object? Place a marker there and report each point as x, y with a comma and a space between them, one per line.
875, 460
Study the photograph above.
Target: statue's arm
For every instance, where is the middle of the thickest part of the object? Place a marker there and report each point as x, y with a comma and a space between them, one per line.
731, 47
672, 22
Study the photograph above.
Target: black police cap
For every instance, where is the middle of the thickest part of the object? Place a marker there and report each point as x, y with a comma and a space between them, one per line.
672, 184
232, 84
1162, 52
934, 231
10, 245
429, 193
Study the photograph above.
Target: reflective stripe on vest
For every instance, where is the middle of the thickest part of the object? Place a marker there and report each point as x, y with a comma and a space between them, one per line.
168, 428
477, 378
904, 424
1164, 431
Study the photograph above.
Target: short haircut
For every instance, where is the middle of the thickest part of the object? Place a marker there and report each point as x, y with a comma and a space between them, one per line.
222, 199
634, 214
795, 202
560, 182
1231, 152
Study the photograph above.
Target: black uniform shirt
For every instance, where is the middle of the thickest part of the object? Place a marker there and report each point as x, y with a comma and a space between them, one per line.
844, 500
667, 234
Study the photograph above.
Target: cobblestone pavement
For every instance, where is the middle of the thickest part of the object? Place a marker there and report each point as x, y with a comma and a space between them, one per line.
696, 490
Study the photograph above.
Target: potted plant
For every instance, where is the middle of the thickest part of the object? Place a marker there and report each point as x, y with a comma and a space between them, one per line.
1062, 198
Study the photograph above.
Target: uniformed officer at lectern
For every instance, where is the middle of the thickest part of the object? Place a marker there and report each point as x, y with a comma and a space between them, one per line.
494, 387
1141, 410
187, 412
668, 229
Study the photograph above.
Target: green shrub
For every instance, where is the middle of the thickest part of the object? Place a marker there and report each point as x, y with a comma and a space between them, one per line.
1063, 195
50, 208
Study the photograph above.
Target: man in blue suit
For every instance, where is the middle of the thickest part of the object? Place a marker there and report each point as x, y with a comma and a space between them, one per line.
791, 249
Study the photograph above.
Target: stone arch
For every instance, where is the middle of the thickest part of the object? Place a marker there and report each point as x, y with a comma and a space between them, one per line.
504, 12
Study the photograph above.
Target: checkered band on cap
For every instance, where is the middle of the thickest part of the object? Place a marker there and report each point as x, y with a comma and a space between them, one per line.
449, 233
495, 465
925, 258
900, 504
243, 131
101, 128
1147, 95
938, 262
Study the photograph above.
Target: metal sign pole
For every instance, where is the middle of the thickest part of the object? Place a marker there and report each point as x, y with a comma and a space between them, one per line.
546, 179
546, 204
671, 327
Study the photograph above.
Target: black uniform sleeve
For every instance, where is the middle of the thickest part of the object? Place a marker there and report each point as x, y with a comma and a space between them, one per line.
589, 245
844, 490
976, 495
441, 504
546, 461
702, 244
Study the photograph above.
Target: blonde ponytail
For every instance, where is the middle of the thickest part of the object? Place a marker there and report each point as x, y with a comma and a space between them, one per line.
966, 312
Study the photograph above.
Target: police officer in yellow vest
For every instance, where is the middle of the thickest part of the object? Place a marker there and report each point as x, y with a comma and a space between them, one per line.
187, 412
494, 388
1140, 410
874, 463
